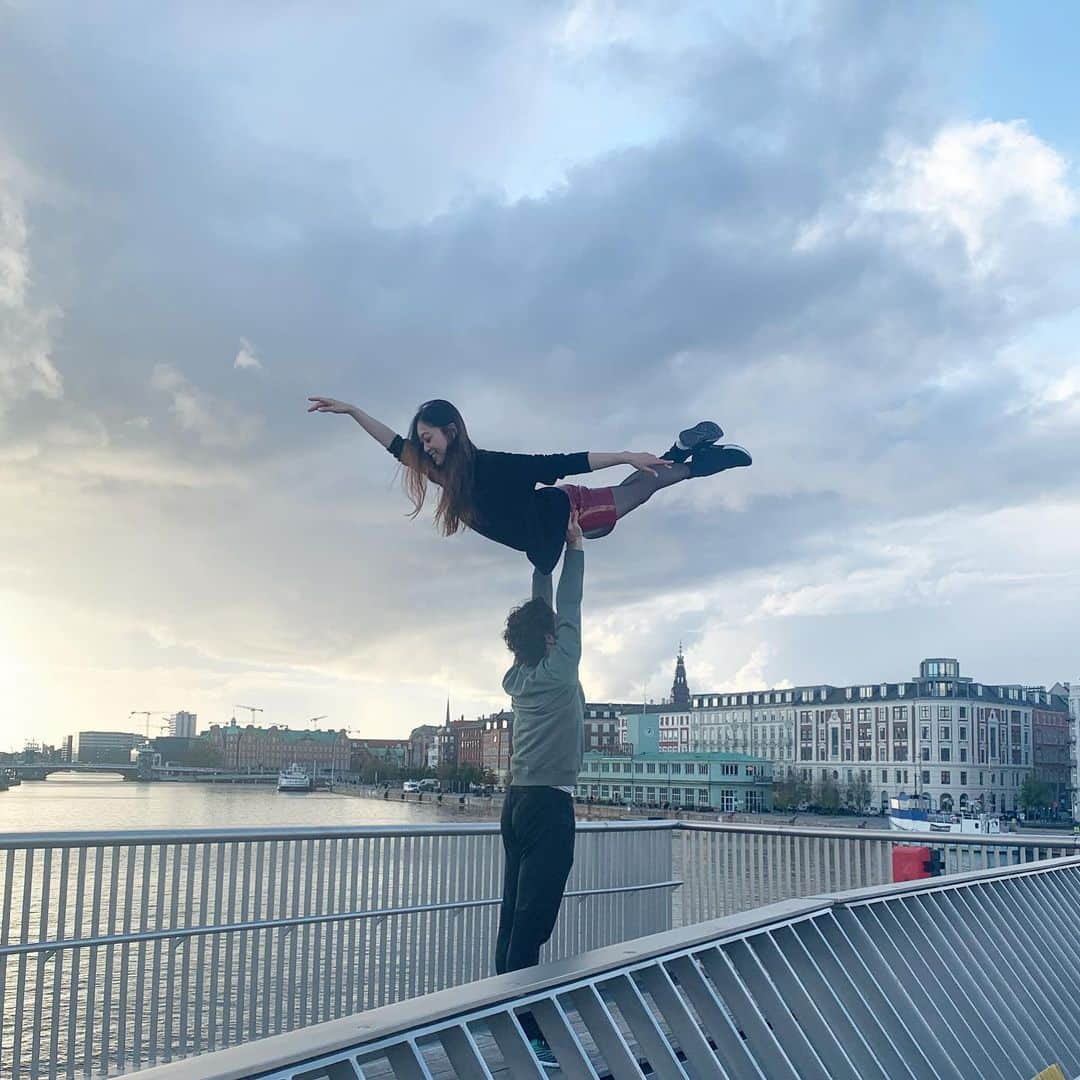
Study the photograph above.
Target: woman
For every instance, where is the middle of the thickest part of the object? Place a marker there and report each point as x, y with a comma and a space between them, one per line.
496, 494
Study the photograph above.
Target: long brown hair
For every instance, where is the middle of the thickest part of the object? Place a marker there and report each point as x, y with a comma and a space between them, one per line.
454, 477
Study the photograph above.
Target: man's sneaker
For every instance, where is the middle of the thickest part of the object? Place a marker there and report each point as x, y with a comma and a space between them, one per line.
701, 434
544, 1053
709, 460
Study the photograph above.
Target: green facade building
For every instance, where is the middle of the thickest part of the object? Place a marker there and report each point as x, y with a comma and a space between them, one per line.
644, 775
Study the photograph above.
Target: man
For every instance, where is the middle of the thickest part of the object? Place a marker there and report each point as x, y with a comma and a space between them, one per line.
537, 822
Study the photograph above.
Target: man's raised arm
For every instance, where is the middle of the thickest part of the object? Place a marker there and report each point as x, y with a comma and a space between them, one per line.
567, 652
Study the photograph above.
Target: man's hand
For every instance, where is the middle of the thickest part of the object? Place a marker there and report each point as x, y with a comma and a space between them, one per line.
645, 462
575, 538
329, 404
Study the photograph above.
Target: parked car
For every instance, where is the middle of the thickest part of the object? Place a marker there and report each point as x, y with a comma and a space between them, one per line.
410, 787
429, 783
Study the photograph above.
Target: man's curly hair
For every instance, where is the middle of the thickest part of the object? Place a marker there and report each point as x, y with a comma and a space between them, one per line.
527, 628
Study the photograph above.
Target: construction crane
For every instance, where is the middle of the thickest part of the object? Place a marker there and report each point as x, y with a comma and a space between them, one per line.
314, 720
253, 709
147, 713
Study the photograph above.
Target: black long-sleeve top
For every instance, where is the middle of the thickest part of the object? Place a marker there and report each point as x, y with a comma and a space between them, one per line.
511, 510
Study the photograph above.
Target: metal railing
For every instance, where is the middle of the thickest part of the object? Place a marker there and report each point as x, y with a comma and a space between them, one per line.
730, 868
122, 949
119, 950
973, 976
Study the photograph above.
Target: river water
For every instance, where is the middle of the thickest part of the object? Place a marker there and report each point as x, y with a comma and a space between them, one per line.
67, 802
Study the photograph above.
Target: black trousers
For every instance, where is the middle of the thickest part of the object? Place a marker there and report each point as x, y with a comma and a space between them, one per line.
537, 828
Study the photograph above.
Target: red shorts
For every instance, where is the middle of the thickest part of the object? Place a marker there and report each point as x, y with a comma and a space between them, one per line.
595, 507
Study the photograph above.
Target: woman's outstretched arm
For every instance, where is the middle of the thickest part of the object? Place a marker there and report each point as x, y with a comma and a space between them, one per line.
375, 428
649, 463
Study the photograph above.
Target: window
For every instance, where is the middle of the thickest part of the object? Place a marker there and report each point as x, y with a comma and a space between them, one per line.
946, 754
926, 776
963, 712
663, 766
925, 753
650, 767
963, 779
924, 732
702, 796
946, 777
866, 691
676, 768
963, 753
924, 712
703, 770
898, 776
963, 733
944, 712
639, 767
945, 733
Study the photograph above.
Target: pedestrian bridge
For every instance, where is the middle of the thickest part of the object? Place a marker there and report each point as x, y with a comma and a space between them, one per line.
698, 949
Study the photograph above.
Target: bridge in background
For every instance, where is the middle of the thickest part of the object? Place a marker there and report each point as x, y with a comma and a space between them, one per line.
41, 770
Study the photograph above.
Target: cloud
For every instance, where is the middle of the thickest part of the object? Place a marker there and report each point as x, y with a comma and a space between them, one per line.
587, 226
26, 366
994, 184
214, 422
247, 357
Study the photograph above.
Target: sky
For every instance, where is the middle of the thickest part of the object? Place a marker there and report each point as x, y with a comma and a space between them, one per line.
847, 232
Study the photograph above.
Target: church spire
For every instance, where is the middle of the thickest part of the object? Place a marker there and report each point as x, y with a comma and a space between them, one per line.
680, 691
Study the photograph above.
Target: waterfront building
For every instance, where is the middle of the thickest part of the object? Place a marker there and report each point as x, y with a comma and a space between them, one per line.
393, 753
603, 727
644, 774
1071, 693
105, 747
1050, 753
460, 742
498, 741
271, 749
422, 747
967, 745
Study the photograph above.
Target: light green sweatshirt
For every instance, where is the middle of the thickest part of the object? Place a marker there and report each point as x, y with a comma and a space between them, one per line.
548, 702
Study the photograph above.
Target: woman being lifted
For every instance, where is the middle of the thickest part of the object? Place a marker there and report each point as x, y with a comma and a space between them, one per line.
496, 493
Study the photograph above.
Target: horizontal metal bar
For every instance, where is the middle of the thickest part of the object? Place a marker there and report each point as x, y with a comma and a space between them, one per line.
180, 933
892, 836
127, 837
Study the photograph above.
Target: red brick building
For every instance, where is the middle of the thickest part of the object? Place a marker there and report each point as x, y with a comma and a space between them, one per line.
498, 735
257, 749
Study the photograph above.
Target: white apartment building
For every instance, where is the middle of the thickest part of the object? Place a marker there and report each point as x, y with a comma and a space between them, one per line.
182, 725
967, 745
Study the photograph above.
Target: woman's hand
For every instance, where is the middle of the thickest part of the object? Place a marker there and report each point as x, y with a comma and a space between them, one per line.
645, 462
575, 538
329, 404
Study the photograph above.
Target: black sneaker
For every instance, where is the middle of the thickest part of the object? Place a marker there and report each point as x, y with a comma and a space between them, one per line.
701, 434
709, 460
